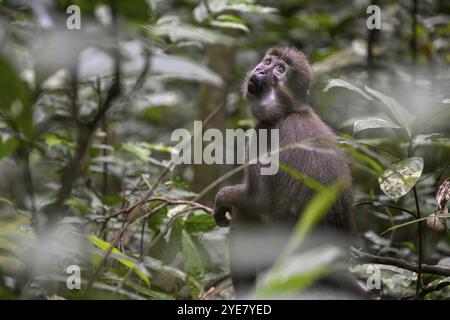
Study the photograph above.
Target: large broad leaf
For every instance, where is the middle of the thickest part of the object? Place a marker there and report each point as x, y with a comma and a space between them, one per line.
202, 12
401, 177
199, 222
372, 123
230, 22
175, 30
394, 110
344, 84
180, 68
192, 257
193, 263
122, 258
397, 113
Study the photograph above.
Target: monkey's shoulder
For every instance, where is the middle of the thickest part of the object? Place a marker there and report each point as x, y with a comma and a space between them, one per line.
299, 126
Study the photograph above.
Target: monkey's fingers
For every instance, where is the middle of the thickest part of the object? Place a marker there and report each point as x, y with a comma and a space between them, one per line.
220, 216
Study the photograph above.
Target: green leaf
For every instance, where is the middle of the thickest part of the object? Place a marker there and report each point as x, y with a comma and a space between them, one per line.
230, 25
401, 177
157, 265
176, 31
112, 199
436, 139
394, 110
155, 114
156, 220
160, 148
199, 223
77, 204
192, 257
52, 140
122, 258
140, 150
135, 10
15, 99
155, 294
7, 147
344, 84
202, 12
9, 203
249, 8
372, 123
181, 68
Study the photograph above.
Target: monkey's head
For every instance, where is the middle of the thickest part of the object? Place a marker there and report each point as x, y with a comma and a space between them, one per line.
279, 84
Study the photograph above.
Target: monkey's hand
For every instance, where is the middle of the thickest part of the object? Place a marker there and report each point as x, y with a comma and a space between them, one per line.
220, 216
224, 202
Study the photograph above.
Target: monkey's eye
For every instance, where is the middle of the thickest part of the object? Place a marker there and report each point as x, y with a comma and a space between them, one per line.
267, 61
281, 68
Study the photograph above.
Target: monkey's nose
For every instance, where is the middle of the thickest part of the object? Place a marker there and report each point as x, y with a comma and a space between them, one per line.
257, 82
254, 84
260, 74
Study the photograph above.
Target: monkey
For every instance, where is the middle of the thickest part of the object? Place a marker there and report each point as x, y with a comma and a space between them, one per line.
277, 90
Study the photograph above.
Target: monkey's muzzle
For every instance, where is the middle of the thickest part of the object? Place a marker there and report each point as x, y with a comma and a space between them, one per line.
258, 83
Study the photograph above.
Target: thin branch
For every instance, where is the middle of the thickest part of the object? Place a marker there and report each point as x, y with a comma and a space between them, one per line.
369, 258
29, 185
385, 205
435, 287
420, 246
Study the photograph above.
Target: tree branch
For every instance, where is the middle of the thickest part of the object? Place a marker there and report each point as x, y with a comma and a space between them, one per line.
369, 258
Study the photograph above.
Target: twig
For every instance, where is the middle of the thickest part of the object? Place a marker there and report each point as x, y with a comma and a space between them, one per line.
29, 185
385, 205
435, 287
420, 249
425, 268
410, 153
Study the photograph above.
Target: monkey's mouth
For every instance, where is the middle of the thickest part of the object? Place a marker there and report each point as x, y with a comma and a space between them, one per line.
256, 85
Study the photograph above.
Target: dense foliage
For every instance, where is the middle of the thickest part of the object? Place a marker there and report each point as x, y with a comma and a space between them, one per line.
86, 117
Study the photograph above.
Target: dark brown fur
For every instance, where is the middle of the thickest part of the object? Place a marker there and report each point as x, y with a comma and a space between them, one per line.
279, 199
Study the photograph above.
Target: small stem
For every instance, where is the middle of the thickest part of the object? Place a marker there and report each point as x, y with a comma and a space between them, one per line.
420, 252
141, 244
414, 11
419, 230
29, 185
385, 205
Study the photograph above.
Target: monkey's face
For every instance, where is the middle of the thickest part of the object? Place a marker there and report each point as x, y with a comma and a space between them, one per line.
266, 75
260, 87
278, 83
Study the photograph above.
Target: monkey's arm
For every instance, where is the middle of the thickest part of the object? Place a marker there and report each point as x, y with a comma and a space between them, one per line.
227, 198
